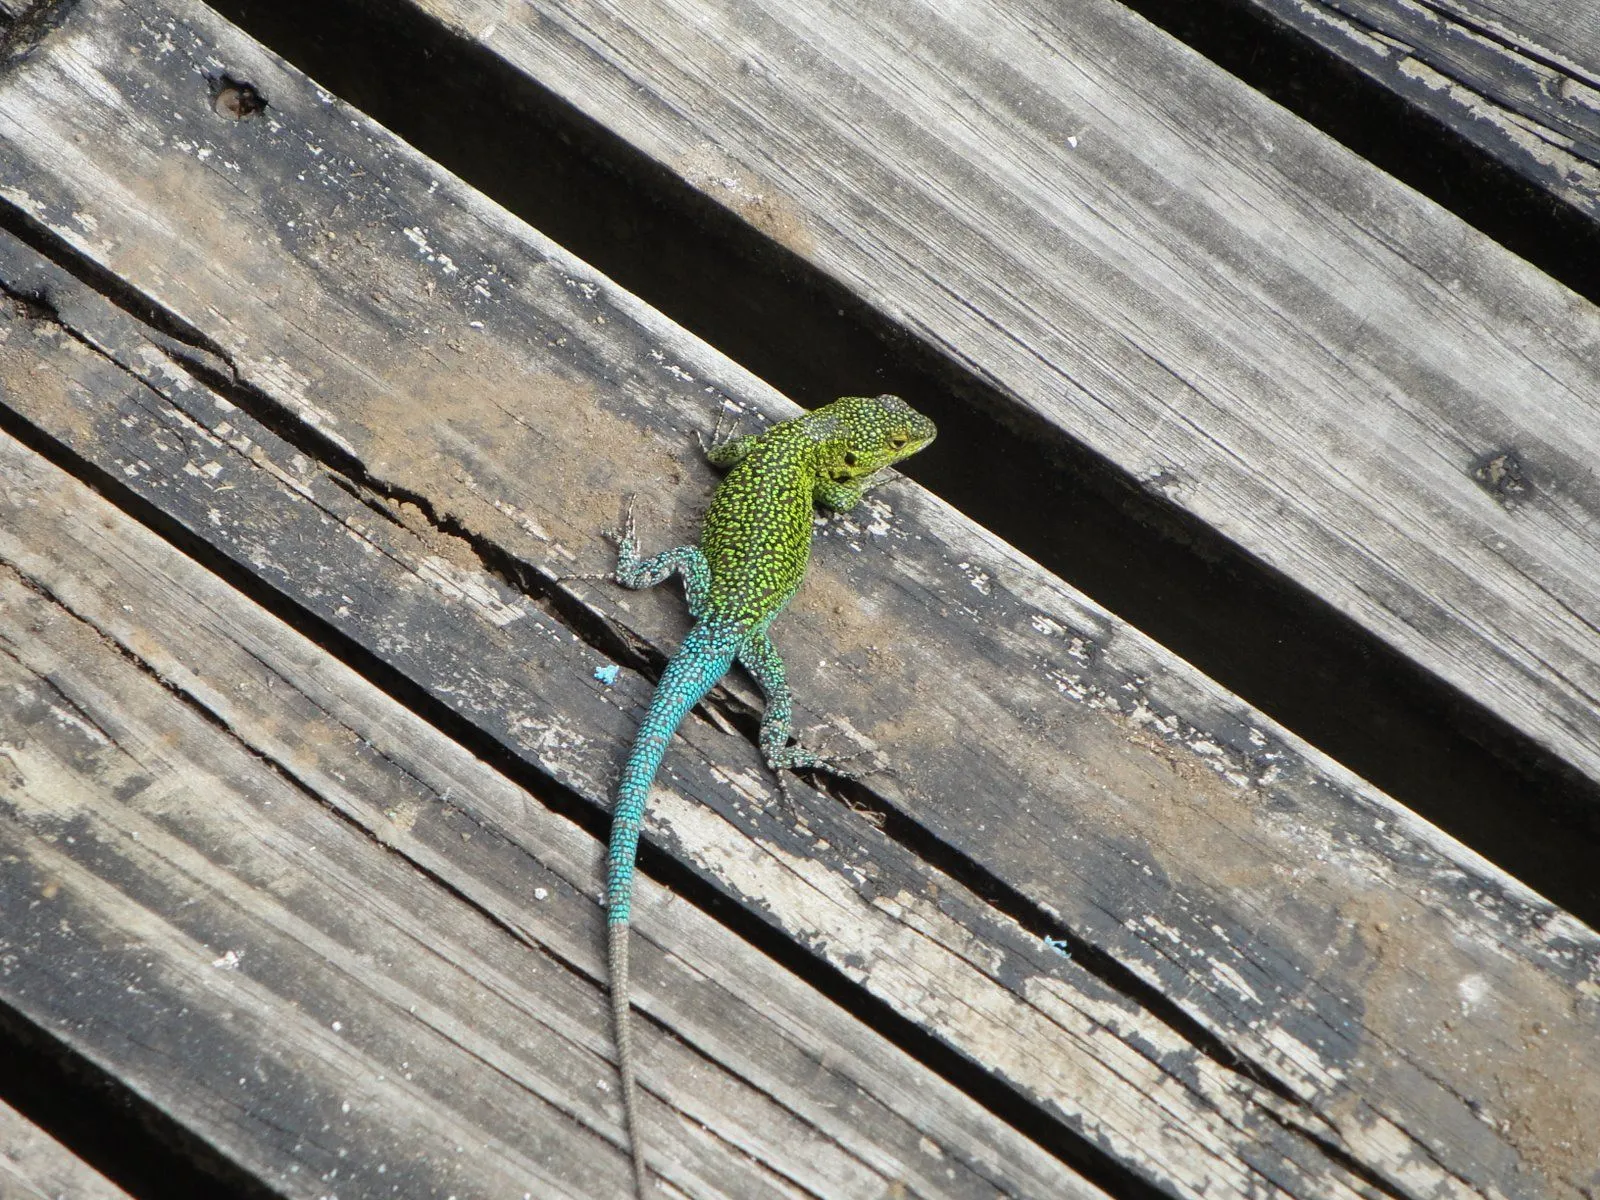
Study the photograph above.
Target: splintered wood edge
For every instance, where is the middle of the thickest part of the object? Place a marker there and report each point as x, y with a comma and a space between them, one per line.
1417, 54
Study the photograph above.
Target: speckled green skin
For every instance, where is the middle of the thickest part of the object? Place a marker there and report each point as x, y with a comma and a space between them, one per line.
753, 552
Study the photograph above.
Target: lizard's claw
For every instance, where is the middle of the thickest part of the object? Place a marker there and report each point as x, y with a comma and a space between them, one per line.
619, 538
707, 445
786, 798
798, 758
623, 536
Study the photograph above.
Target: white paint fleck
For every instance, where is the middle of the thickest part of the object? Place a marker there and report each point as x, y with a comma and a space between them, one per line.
1472, 990
1232, 980
418, 239
1164, 929
523, 521
976, 577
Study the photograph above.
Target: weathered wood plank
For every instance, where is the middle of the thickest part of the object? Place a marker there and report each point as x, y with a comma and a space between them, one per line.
1011, 1003
1379, 978
1234, 310
1521, 85
34, 1166
346, 971
1564, 32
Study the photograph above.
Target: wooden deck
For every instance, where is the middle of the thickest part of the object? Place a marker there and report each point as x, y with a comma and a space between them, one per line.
305, 750
1521, 81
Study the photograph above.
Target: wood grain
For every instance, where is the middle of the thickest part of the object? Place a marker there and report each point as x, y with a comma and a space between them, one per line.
1566, 32
34, 1166
1013, 1004
465, 404
343, 951
1522, 85
1234, 310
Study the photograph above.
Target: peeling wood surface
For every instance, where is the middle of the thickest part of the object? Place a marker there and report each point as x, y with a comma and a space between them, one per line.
1521, 81
923, 944
349, 955
34, 1166
1565, 32
1271, 964
1236, 311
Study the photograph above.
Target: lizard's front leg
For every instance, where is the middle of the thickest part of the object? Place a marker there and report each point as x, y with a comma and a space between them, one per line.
730, 451
841, 496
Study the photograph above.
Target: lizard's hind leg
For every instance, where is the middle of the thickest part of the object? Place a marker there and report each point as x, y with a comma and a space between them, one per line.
634, 572
687, 561
761, 658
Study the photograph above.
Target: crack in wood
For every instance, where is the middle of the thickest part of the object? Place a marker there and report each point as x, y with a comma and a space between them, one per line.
1005, 1101
350, 474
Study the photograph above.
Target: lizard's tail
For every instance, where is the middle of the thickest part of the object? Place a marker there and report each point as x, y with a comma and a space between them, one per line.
704, 657
617, 947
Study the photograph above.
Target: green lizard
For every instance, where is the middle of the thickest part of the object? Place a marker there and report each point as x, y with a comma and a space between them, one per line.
753, 551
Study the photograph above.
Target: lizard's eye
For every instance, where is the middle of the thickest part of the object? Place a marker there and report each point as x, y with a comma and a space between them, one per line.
849, 458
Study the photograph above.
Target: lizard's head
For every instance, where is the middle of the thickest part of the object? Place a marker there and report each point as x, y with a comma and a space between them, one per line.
863, 434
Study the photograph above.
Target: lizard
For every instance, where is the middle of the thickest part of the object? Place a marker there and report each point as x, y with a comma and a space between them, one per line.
754, 545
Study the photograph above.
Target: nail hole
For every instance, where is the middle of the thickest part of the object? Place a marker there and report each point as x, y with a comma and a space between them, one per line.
235, 98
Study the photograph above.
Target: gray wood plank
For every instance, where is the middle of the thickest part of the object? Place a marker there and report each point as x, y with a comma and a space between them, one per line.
1565, 32
1234, 310
345, 952
1012, 1003
1256, 893
1522, 86
34, 1166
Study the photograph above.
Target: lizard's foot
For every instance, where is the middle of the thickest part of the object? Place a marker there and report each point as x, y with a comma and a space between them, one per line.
622, 539
624, 536
709, 445
798, 758
786, 798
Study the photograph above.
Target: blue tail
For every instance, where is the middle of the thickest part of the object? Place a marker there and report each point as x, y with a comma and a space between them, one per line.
705, 657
